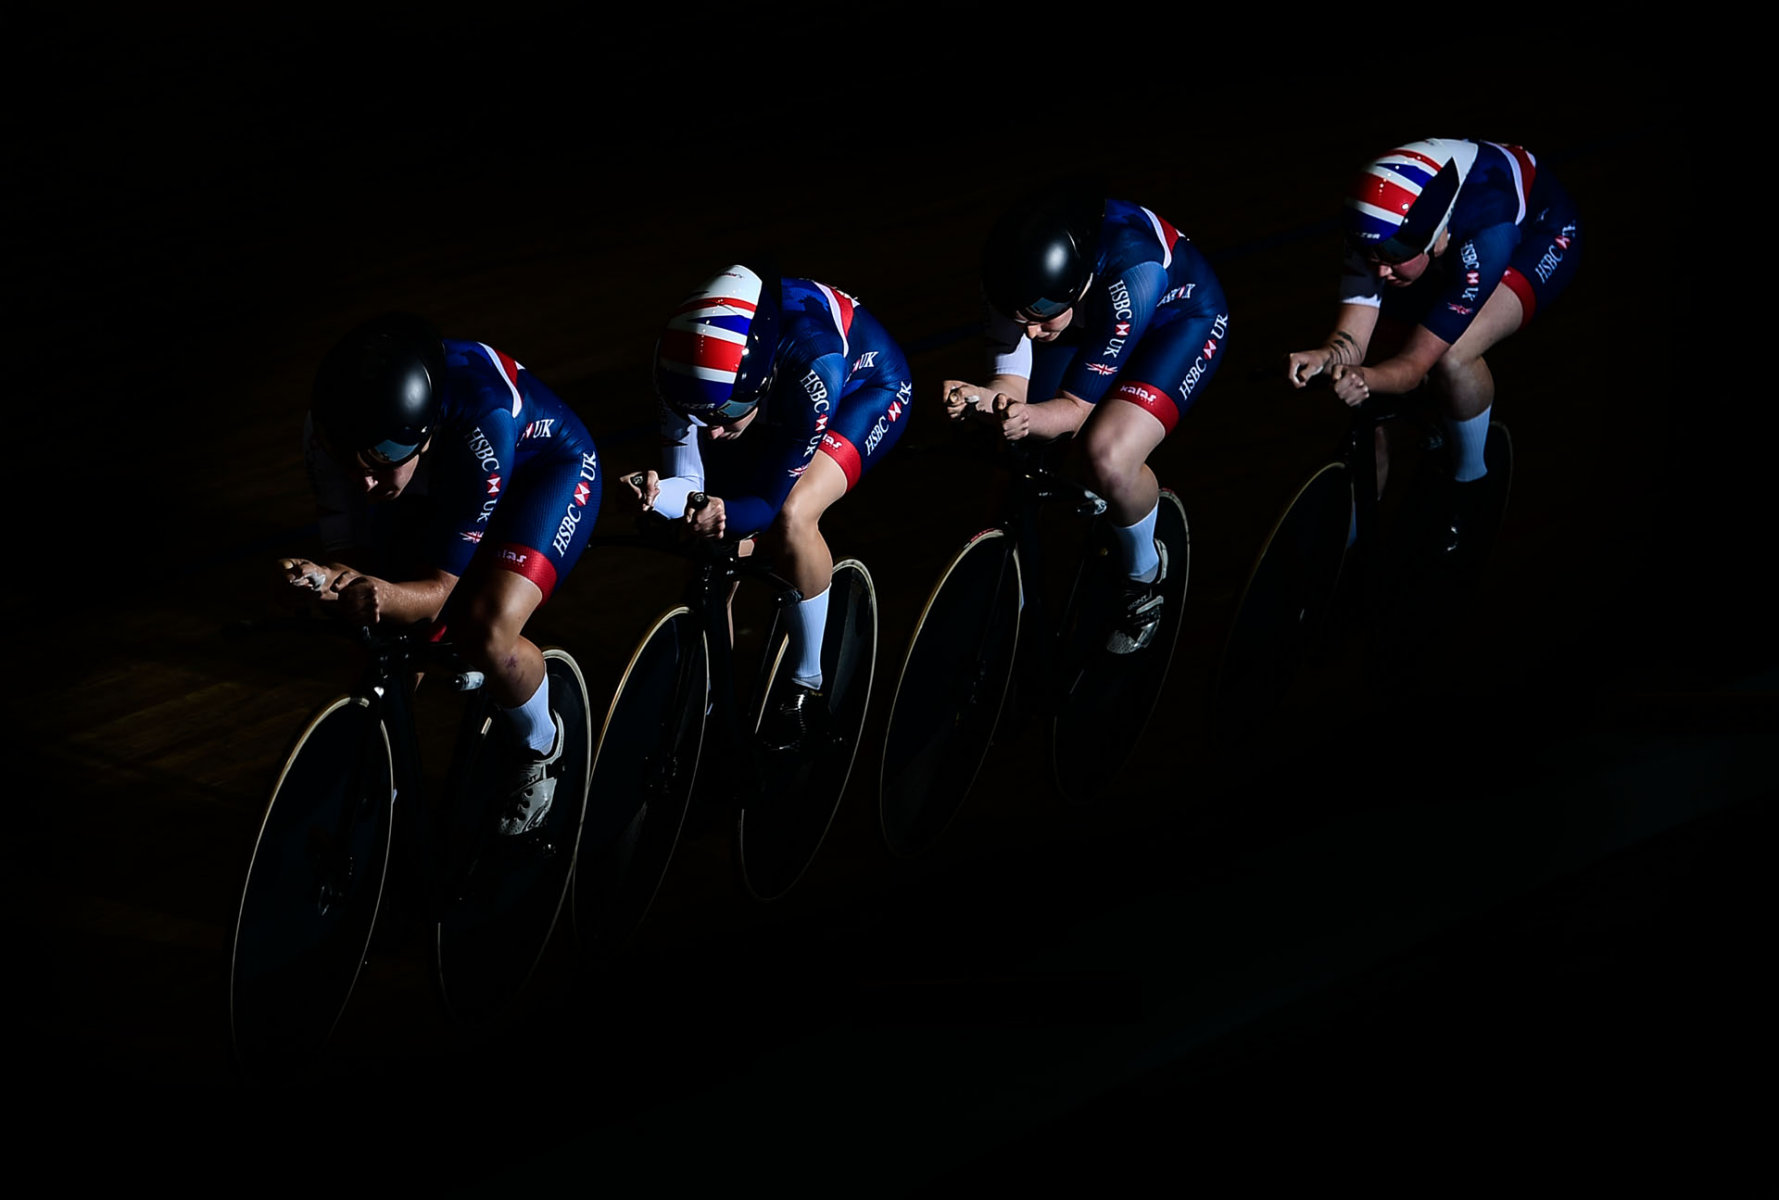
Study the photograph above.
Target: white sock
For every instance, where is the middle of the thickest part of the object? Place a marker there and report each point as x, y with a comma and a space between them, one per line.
808, 621
1137, 544
1468, 438
531, 720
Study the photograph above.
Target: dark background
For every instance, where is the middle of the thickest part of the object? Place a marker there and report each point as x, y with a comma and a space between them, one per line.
1515, 912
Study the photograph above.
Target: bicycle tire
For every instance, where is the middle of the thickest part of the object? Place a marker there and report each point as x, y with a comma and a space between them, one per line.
950, 693
1498, 456
1286, 603
491, 935
644, 771
313, 888
1104, 700
780, 830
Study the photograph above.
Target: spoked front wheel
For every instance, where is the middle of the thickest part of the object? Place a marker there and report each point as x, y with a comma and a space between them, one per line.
782, 826
313, 889
950, 694
1105, 700
646, 765
493, 931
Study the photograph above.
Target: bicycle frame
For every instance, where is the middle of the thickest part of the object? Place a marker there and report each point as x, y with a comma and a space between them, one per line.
718, 568
1033, 486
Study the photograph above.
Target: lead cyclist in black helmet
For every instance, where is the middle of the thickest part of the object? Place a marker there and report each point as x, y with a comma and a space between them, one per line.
1105, 325
460, 490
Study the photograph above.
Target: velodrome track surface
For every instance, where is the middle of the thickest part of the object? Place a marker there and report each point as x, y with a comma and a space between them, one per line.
1530, 893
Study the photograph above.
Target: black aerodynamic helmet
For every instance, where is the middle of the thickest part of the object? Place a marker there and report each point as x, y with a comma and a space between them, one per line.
1041, 254
379, 390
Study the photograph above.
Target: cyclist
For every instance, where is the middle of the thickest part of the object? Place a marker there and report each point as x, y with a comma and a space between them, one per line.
1095, 300
1452, 245
465, 491
776, 396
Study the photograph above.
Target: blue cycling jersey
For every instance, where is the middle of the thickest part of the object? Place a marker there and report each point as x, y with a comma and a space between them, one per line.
1511, 224
510, 467
1149, 330
840, 387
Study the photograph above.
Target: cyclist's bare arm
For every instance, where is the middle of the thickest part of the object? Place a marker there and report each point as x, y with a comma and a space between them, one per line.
1344, 347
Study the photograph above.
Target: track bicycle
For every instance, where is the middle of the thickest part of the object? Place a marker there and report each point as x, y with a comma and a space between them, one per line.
992, 632
684, 719
349, 834
1343, 559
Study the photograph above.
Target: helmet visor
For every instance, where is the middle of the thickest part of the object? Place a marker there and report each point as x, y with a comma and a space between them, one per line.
1039, 311
389, 453
1391, 250
1036, 312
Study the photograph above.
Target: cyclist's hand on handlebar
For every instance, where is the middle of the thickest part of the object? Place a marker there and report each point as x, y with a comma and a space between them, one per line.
708, 520
645, 486
1014, 416
302, 575
961, 398
359, 598
299, 583
1304, 365
1350, 384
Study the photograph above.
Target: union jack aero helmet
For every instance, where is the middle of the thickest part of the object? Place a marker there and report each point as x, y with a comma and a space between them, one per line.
1400, 203
714, 360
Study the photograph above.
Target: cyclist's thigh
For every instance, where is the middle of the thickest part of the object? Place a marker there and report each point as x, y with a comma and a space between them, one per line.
1545, 260
867, 426
541, 526
1172, 365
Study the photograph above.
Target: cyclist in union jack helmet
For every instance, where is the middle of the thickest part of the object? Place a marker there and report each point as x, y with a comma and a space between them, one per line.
463, 491
1105, 325
777, 395
1452, 245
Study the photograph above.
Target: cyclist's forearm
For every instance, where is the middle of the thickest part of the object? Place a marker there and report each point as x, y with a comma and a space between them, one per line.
1351, 338
1059, 416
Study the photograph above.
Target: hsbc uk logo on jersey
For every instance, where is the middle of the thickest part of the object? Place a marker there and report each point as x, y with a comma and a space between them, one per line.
1207, 353
817, 391
890, 417
571, 517
483, 451
1122, 316
1467, 255
1552, 258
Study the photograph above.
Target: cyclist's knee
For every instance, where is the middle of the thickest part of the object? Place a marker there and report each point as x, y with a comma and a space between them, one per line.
798, 523
489, 627
1456, 367
1111, 462
1463, 384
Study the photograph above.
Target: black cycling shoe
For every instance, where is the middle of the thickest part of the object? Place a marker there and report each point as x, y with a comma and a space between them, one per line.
1139, 611
800, 721
1461, 534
